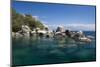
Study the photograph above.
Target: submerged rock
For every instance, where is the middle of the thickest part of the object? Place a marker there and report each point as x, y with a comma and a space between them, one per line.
85, 39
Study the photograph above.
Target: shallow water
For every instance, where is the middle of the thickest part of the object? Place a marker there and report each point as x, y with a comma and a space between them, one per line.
34, 51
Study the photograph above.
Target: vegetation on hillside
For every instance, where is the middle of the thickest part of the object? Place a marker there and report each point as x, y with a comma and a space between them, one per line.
18, 20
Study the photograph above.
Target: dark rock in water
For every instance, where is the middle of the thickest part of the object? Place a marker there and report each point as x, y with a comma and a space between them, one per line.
67, 32
47, 36
41, 34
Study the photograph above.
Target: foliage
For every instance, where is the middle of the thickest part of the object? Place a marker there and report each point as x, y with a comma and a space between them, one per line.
18, 20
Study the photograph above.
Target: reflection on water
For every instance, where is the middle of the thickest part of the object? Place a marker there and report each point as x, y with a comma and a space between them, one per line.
26, 51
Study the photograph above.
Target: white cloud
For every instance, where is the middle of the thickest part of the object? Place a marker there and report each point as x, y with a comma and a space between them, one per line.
36, 17
72, 26
85, 27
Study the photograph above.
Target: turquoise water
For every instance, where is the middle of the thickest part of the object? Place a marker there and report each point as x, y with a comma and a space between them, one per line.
34, 51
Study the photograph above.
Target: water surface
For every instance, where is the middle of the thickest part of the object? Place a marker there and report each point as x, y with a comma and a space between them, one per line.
34, 51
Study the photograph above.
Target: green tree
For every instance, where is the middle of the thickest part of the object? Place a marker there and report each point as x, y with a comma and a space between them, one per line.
18, 20
33, 22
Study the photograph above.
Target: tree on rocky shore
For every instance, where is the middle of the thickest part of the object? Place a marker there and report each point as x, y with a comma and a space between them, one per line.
18, 20
32, 22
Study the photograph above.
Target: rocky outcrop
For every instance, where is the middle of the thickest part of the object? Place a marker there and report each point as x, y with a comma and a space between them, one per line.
25, 31
80, 36
60, 33
60, 29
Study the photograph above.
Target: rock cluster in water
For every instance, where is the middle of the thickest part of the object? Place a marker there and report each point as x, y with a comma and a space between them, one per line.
59, 33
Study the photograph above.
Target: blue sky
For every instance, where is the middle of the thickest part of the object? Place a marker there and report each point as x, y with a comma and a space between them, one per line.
55, 15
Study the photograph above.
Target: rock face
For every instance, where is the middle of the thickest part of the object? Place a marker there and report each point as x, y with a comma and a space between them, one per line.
60, 33
18, 35
85, 39
13, 34
80, 36
25, 30
60, 29
68, 33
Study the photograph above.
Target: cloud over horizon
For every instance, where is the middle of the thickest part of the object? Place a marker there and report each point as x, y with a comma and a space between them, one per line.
84, 27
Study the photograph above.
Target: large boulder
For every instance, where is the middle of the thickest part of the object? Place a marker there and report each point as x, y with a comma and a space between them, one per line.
60, 29
25, 30
85, 39
80, 36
